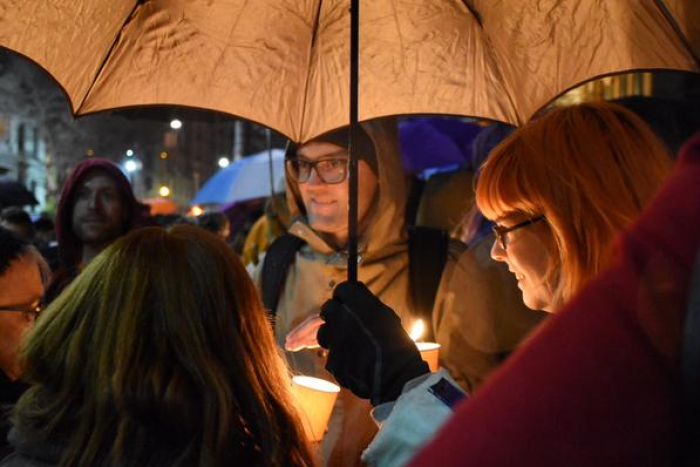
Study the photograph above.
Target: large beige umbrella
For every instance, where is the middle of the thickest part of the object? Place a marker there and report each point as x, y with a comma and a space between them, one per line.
284, 63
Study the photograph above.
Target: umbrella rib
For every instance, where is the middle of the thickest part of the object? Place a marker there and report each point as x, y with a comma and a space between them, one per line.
474, 12
137, 4
314, 33
487, 43
677, 29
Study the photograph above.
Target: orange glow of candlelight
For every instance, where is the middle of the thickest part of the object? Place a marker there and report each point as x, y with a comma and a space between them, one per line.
417, 330
429, 351
315, 399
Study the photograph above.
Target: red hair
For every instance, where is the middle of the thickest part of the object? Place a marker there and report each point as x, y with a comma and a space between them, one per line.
590, 169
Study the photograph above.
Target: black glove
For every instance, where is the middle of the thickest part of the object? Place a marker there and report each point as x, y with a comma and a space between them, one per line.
369, 351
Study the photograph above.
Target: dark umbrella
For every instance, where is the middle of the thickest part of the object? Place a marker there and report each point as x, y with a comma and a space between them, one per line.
13, 193
436, 142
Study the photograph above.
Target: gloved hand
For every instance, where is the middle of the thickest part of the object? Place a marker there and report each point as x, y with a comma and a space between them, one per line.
368, 350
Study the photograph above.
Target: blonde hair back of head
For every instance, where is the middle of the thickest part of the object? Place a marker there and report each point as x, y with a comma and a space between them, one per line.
590, 169
160, 353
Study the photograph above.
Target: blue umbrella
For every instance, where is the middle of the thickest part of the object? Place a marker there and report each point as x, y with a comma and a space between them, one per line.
247, 178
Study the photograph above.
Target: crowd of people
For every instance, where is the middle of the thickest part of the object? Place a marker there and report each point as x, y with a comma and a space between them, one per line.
128, 344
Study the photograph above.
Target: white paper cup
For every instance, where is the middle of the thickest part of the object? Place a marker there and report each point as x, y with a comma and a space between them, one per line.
430, 351
315, 398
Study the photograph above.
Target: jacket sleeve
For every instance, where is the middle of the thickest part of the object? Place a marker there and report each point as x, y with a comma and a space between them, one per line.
479, 317
413, 420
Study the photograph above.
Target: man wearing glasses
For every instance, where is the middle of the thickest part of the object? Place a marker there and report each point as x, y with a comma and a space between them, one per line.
23, 275
317, 194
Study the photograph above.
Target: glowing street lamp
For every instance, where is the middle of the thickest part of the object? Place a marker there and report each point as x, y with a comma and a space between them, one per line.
224, 162
164, 191
129, 152
175, 124
131, 166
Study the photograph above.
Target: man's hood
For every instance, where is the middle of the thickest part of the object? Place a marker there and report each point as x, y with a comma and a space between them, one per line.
70, 246
384, 230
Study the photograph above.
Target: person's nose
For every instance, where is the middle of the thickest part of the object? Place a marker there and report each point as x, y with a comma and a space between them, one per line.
497, 251
93, 201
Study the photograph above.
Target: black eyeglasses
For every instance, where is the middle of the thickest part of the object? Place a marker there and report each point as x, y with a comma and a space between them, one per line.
501, 233
331, 170
30, 312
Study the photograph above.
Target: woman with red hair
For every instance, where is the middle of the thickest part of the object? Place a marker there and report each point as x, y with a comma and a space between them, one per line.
560, 190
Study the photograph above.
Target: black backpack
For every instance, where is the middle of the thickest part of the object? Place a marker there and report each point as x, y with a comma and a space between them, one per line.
427, 250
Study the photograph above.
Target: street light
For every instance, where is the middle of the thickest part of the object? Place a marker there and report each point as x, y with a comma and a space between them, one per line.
224, 162
129, 152
164, 191
131, 166
175, 124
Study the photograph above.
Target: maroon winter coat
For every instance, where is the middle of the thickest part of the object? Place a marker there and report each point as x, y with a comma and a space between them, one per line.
600, 383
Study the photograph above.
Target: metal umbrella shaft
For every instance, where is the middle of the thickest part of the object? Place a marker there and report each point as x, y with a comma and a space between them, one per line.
354, 128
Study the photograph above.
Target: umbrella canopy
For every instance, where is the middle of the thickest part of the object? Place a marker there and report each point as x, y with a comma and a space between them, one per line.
13, 193
247, 178
285, 63
436, 142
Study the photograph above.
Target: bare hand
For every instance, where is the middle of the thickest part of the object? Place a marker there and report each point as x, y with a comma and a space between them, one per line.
304, 335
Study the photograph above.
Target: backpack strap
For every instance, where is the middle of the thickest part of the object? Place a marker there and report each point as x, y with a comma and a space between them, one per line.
427, 255
280, 255
427, 249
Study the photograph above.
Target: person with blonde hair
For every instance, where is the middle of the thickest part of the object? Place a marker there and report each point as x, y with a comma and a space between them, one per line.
561, 189
158, 354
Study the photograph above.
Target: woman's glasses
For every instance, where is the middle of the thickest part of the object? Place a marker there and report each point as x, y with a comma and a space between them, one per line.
332, 170
501, 233
31, 312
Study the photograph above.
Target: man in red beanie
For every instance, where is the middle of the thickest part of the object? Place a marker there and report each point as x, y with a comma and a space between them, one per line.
97, 206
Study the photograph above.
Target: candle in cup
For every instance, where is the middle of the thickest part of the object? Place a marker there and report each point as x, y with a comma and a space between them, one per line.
429, 351
315, 399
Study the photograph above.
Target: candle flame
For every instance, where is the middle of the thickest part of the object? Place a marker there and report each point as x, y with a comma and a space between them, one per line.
417, 330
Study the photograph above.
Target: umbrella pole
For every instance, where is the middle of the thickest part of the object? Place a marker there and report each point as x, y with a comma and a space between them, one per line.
352, 207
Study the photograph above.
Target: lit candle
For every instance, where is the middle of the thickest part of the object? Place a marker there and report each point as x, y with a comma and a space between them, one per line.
315, 399
429, 351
